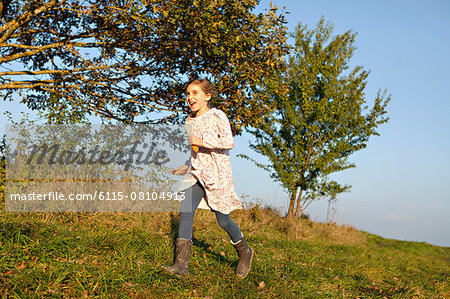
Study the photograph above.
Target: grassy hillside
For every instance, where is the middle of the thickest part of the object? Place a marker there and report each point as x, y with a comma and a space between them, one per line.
119, 254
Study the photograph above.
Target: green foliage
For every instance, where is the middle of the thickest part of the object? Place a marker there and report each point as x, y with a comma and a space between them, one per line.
128, 59
319, 118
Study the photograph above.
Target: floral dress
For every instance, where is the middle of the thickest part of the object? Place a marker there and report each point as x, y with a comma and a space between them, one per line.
211, 166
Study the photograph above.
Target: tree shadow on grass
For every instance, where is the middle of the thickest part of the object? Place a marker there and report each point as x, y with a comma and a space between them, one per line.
13, 231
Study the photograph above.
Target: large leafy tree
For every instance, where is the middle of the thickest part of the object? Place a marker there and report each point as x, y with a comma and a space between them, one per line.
128, 59
320, 117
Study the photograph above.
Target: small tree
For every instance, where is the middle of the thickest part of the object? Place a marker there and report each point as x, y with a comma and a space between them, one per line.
319, 119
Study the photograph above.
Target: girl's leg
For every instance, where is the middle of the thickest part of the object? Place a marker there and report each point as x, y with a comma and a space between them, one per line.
187, 210
229, 226
184, 241
239, 242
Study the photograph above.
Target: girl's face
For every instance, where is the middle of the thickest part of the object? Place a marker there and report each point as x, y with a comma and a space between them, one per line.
197, 99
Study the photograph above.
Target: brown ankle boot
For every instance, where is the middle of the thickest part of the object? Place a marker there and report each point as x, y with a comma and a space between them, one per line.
182, 254
245, 255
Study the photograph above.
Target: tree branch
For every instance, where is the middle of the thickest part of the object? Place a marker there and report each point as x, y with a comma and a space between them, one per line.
12, 26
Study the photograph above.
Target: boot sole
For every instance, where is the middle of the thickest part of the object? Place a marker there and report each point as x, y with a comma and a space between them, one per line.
170, 271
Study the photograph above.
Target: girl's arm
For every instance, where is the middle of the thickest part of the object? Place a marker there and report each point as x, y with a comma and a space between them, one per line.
182, 170
219, 136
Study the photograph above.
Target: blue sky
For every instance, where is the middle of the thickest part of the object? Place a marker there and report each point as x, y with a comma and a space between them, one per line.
400, 185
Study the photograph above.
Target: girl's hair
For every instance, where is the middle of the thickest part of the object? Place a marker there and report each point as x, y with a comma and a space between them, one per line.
205, 85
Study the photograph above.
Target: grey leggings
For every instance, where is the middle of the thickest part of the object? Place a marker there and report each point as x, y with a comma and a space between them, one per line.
188, 207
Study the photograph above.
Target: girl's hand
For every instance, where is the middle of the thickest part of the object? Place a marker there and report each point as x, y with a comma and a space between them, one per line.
194, 140
182, 170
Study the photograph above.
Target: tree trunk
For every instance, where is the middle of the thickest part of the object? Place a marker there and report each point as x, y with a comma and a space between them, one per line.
299, 200
291, 203
328, 212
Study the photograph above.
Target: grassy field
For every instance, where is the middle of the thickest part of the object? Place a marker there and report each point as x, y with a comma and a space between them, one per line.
119, 255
